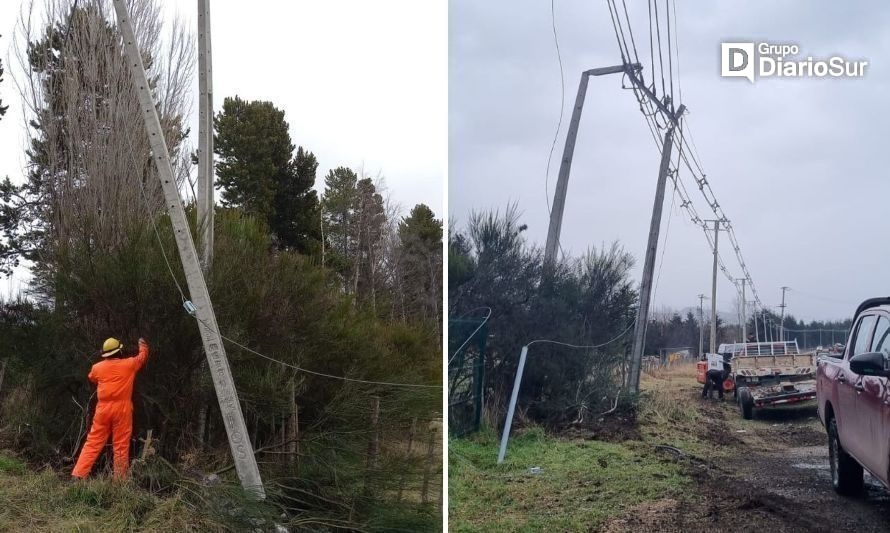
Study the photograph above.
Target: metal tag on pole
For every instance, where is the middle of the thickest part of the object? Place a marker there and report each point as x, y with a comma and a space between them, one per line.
233, 419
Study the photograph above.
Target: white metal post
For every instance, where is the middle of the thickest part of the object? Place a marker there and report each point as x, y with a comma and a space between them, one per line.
508, 423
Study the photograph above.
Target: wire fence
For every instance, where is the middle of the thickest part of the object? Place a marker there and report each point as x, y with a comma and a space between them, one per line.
466, 374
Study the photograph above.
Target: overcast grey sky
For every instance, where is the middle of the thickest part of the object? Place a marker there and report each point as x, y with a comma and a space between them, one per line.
362, 83
799, 166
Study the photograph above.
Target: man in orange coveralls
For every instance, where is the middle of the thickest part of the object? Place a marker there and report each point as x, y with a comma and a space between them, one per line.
114, 375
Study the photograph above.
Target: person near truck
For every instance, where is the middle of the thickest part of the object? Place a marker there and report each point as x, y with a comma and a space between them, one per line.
113, 376
718, 370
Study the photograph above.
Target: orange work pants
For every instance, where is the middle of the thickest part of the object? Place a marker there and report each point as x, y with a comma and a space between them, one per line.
115, 419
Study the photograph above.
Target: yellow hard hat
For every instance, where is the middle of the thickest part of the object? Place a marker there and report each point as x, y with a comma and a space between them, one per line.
111, 346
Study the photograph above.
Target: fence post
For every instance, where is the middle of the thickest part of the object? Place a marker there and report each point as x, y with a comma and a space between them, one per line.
408, 456
147, 445
479, 376
293, 430
430, 456
374, 443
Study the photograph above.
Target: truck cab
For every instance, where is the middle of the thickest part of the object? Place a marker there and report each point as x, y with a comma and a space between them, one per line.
854, 400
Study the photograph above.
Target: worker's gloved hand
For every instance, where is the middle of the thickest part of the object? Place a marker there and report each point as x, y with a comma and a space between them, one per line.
143, 341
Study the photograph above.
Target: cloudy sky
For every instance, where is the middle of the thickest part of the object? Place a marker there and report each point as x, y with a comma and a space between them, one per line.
363, 84
798, 165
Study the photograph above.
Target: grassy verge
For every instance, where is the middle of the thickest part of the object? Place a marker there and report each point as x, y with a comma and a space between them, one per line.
587, 484
581, 483
44, 501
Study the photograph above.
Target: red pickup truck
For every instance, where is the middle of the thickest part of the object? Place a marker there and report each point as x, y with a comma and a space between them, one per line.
854, 400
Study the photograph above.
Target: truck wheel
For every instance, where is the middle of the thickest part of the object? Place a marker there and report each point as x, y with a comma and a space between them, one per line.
846, 473
746, 403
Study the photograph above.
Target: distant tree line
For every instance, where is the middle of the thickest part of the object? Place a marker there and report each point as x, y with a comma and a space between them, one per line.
669, 329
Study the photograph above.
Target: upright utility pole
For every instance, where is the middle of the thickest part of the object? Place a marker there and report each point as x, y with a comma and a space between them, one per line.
782, 324
651, 250
562, 182
744, 313
205, 138
714, 289
701, 324
233, 419
756, 329
766, 333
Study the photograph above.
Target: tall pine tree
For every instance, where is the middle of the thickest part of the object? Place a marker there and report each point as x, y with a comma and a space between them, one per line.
259, 173
339, 206
420, 237
296, 220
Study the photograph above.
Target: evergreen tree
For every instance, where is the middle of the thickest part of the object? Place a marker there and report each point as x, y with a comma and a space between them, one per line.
339, 205
258, 172
296, 220
370, 222
420, 236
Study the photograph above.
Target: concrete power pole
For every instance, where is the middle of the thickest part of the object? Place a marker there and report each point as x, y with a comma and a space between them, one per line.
701, 324
565, 167
206, 169
639, 343
233, 419
714, 290
754, 316
782, 320
744, 313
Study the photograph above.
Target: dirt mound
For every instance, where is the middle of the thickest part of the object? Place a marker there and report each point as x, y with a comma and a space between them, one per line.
607, 429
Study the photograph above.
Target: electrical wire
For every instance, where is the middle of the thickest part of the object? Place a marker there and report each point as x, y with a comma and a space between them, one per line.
660, 58
677, 52
667, 7
151, 218
548, 341
629, 31
484, 320
313, 372
613, 14
562, 105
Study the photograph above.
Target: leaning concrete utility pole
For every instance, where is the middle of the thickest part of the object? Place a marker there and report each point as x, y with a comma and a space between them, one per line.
562, 182
205, 138
233, 419
782, 320
642, 322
